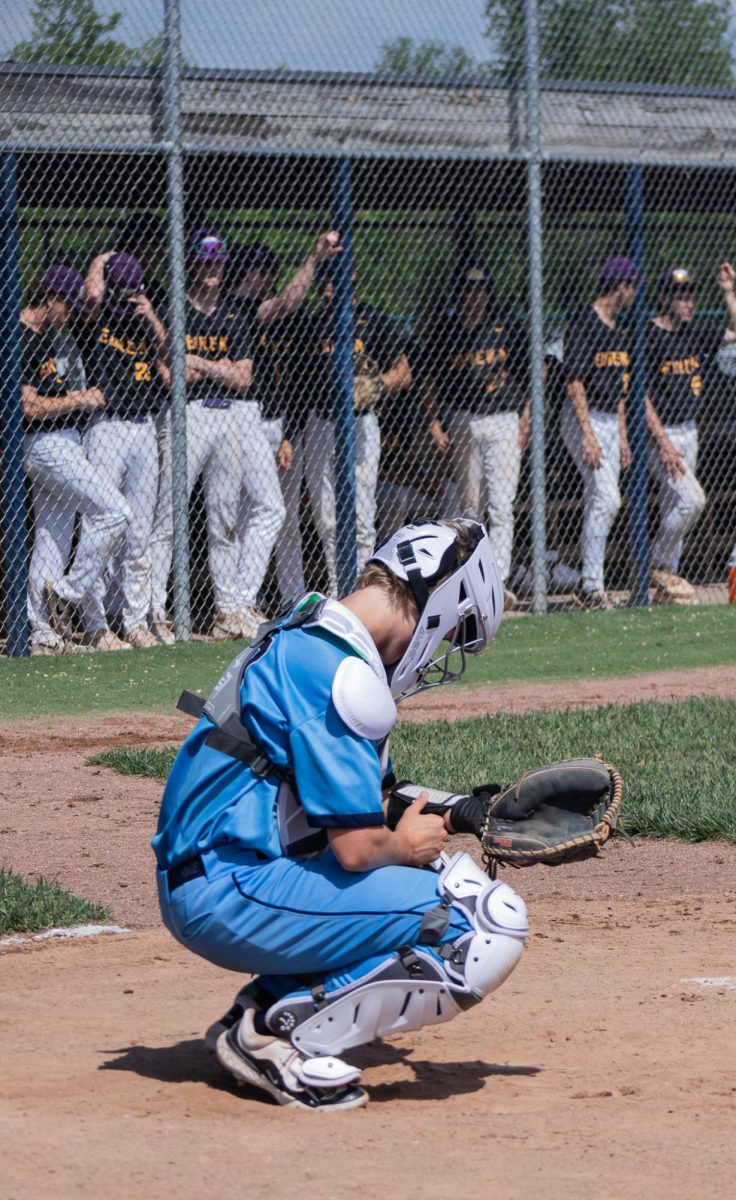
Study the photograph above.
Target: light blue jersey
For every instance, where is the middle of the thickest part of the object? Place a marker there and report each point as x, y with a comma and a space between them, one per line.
212, 800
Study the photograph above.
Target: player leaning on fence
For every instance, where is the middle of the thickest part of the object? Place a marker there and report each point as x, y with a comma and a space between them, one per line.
593, 424
679, 353
56, 405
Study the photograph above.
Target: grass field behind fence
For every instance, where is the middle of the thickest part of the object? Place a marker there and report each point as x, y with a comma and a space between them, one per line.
678, 761
558, 646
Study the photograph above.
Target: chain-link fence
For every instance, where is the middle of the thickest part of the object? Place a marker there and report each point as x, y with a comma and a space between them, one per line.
252, 320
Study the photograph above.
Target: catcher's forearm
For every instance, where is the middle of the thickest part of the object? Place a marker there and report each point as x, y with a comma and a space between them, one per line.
462, 814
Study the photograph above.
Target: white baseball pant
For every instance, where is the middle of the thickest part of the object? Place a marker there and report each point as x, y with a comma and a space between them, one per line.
313, 463
681, 500
601, 496
486, 461
66, 483
213, 451
367, 459
261, 510
126, 453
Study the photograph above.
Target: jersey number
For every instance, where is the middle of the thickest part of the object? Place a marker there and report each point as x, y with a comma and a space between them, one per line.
142, 372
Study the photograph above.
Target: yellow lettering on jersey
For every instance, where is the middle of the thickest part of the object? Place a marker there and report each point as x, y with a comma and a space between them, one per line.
222, 345
359, 345
142, 372
612, 358
104, 336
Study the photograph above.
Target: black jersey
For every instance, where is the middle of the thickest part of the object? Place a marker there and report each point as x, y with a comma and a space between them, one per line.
599, 357
481, 370
223, 333
123, 366
308, 371
51, 364
676, 360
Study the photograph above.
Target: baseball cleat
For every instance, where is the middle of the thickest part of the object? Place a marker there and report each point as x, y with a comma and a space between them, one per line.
51, 644
163, 631
226, 627
228, 1019
105, 639
510, 600
276, 1067
670, 588
597, 601
250, 618
141, 638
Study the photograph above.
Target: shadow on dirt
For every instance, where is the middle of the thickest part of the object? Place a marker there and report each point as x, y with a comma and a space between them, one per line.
190, 1062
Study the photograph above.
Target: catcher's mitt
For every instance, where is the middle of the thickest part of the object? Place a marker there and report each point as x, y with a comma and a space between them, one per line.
558, 813
367, 386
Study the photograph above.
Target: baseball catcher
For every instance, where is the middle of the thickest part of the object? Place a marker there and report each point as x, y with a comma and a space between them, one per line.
275, 856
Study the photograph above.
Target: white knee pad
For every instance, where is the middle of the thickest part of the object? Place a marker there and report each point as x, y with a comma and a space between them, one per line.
413, 987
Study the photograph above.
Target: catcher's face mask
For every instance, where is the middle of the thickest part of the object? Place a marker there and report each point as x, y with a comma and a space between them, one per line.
465, 610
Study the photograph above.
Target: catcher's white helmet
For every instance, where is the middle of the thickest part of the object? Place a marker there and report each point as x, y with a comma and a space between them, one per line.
465, 610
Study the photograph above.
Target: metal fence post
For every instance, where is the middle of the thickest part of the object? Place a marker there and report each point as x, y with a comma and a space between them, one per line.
638, 486
342, 219
536, 306
175, 214
12, 491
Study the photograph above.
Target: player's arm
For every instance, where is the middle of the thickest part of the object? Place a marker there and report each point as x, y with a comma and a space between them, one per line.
44, 408
591, 448
142, 307
623, 435
416, 841
398, 377
672, 460
226, 372
94, 284
190, 374
726, 284
291, 296
428, 393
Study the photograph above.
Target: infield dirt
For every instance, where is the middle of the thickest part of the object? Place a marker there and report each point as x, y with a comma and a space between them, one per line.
603, 1068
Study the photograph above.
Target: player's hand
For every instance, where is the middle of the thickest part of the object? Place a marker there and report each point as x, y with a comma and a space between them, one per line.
328, 245
141, 306
592, 451
439, 437
726, 276
625, 454
285, 454
92, 400
422, 834
671, 459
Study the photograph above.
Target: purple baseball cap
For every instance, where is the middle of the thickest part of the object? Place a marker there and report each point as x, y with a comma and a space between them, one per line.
619, 270
123, 279
67, 283
677, 281
206, 245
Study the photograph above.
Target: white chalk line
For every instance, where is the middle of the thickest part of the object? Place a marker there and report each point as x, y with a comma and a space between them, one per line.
72, 931
714, 981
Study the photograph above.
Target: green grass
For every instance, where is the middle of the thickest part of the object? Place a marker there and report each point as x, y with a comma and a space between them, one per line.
554, 647
678, 761
28, 907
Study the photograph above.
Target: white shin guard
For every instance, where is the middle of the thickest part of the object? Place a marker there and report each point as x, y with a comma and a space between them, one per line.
412, 988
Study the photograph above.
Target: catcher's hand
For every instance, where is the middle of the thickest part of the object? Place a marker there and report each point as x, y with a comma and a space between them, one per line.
558, 813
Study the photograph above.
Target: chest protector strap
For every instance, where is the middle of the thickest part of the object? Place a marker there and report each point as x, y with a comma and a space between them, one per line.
222, 707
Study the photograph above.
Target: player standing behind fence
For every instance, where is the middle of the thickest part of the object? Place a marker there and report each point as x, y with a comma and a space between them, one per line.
379, 358
131, 344
677, 353
477, 370
273, 319
56, 404
593, 422
219, 367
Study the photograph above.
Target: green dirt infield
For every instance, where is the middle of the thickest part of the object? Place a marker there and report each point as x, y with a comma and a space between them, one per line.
551, 648
678, 761
29, 907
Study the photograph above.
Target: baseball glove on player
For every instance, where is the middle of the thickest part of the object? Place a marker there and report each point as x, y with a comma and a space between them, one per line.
367, 386
561, 812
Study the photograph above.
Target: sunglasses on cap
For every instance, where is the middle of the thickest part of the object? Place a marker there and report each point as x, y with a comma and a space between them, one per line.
210, 246
126, 293
680, 283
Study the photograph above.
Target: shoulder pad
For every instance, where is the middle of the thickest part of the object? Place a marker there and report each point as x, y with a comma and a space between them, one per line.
363, 701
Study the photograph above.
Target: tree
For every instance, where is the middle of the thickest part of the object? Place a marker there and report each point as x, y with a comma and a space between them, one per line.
684, 42
427, 60
73, 33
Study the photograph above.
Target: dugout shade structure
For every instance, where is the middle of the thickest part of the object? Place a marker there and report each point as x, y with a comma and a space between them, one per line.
534, 183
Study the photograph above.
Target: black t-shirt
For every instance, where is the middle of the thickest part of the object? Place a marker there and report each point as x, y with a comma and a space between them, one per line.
676, 360
223, 333
52, 366
599, 357
481, 370
123, 366
307, 370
